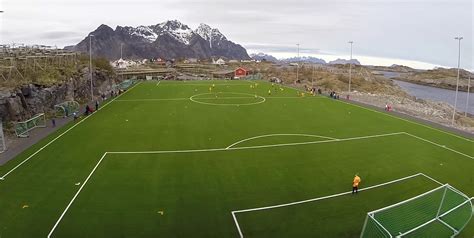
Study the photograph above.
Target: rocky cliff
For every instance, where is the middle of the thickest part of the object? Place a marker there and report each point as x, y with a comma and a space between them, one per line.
25, 101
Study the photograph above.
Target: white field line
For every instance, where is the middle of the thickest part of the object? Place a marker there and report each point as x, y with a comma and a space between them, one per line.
184, 99
190, 151
399, 118
313, 200
432, 179
152, 99
326, 197
450, 227
75, 196
237, 224
255, 147
442, 146
207, 85
272, 135
59, 136
408, 200
413, 122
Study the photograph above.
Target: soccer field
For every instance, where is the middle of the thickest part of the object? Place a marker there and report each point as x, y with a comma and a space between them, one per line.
186, 159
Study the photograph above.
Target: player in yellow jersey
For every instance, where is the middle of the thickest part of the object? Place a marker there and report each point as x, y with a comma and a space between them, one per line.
355, 184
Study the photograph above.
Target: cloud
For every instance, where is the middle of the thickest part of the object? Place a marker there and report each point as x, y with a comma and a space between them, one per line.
417, 30
54, 35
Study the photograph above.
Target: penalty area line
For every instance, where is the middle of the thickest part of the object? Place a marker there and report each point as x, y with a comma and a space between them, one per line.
436, 144
255, 147
272, 135
316, 199
75, 196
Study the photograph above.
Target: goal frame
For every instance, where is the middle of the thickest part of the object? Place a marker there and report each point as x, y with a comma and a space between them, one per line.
445, 187
25, 133
62, 107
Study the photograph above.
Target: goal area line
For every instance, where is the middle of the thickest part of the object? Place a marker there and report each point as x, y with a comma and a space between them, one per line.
239, 229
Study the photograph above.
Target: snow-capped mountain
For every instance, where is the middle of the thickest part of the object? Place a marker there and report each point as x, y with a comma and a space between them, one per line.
176, 29
306, 59
170, 39
210, 34
263, 56
345, 61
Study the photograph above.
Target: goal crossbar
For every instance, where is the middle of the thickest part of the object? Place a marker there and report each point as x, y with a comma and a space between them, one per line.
462, 211
23, 128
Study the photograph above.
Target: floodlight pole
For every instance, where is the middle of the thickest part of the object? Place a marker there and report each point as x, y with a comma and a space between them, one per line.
468, 90
350, 67
90, 66
121, 50
298, 63
459, 38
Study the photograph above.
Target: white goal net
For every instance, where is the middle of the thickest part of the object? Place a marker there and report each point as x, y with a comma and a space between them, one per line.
442, 212
23, 128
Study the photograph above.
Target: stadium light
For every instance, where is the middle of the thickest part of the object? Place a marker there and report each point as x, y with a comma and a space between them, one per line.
298, 63
121, 50
90, 66
468, 91
350, 67
458, 38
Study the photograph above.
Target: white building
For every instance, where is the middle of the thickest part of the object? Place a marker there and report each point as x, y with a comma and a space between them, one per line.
220, 61
123, 64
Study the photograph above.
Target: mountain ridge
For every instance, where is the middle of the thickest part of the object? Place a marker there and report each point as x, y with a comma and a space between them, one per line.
170, 40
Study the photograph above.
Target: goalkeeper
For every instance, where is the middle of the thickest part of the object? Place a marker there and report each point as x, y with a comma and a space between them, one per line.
355, 184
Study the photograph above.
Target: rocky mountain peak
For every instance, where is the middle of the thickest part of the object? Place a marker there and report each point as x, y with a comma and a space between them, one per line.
208, 33
169, 39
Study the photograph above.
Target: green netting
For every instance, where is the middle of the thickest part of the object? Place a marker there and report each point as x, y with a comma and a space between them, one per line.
125, 84
411, 214
433, 229
67, 108
22, 128
441, 211
459, 217
451, 200
372, 230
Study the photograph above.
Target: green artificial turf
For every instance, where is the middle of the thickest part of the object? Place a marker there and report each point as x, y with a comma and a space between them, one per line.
190, 191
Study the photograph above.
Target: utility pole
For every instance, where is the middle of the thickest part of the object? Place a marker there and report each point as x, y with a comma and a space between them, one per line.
298, 64
350, 67
468, 90
121, 50
459, 38
90, 66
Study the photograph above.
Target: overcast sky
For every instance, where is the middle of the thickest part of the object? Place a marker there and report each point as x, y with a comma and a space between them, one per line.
414, 32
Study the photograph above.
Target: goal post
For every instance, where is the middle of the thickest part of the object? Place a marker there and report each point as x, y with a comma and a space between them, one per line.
66, 108
23, 128
443, 211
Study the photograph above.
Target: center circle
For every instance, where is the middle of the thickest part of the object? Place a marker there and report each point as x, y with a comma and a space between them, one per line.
223, 98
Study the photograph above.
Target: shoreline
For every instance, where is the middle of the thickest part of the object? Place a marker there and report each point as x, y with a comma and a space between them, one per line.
434, 85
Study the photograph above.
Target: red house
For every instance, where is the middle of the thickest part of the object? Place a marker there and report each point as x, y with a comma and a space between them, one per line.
241, 72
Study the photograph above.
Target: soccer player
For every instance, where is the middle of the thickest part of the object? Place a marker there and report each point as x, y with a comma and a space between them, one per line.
210, 89
269, 92
355, 184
